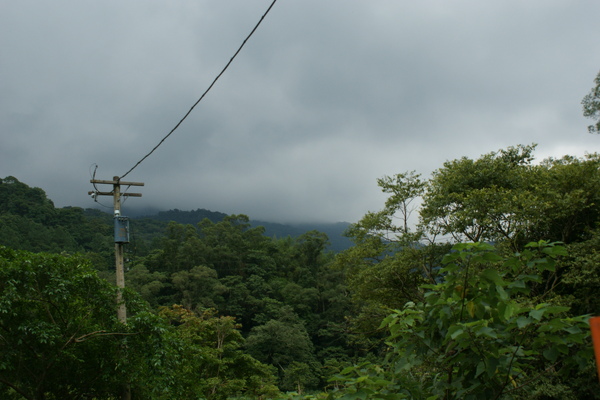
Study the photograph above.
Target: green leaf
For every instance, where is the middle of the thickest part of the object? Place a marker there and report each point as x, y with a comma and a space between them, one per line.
486, 331
508, 310
455, 332
518, 284
492, 365
537, 314
501, 293
556, 309
551, 354
494, 276
480, 369
523, 321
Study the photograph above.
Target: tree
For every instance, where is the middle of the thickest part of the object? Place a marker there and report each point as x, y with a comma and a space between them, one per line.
59, 336
478, 333
208, 360
148, 284
387, 263
179, 250
591, 106
580, 276
404, 190
285, 344
501, 198
485, 199
232, 246
568, 193
196, 288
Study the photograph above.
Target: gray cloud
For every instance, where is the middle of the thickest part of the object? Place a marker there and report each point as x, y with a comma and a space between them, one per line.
325, 98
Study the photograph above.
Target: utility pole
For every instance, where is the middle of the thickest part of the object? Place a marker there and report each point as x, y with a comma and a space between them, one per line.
121, 234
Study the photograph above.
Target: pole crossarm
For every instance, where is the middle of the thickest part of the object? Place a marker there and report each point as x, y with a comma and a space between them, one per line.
112, 194
116, 182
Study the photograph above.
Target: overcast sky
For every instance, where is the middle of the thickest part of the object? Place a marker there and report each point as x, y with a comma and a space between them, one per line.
326, 97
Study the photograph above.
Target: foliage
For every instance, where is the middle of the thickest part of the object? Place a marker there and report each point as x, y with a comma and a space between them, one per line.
477, 334
242, 312
286, 345
59, 336
264, 283
501, 197
483, 199
580, 276
591, 106
60, 339
205, 359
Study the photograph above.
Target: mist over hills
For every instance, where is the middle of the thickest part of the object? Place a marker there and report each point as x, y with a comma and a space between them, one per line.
151, 223
30, 221
335, 231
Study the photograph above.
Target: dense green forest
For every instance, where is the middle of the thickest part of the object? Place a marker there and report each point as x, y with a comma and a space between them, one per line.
476, 283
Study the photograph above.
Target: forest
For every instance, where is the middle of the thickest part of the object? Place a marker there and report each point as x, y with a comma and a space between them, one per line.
475, 283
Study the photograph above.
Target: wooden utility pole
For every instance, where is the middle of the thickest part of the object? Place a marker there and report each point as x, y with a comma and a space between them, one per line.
121, 234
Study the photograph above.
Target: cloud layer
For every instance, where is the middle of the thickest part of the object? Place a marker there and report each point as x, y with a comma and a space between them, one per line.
325, 98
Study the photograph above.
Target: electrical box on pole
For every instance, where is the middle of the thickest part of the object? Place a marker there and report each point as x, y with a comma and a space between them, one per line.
121, 229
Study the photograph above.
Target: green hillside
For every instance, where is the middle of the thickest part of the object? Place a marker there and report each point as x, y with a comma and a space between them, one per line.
487, 298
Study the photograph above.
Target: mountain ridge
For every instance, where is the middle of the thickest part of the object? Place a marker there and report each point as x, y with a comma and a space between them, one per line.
334, 231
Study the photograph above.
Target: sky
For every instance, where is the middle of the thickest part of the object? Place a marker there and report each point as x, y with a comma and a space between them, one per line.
325, 98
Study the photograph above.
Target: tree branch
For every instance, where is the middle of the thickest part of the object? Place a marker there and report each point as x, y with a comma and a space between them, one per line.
102, 333
16, 389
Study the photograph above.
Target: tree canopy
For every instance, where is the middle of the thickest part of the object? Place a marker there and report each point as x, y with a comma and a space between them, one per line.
591, 106
474, 283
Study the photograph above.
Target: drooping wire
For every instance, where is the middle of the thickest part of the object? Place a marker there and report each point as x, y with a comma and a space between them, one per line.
93, 176
125, 198
205, 92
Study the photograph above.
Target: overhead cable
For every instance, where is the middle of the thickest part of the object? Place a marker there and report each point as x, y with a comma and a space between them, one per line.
205, 92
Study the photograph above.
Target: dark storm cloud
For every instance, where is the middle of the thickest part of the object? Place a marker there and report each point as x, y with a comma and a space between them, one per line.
325, 98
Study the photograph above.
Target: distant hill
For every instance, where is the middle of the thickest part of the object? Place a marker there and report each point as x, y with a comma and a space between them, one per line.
30, 221
334, 231
187, 217
272, 229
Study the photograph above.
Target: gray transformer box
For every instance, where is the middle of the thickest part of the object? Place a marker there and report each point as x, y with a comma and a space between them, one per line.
121, 230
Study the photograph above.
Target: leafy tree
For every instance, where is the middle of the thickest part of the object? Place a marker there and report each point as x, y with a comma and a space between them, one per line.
387, 263
580, 276
209, 361
298, 376
196, 288
148, 284
485, 199
19, 199
238, 301
404, 189
179, 250
478, 333
59, 336
232, 245
568, 191
591, 106
284, 344
502, 196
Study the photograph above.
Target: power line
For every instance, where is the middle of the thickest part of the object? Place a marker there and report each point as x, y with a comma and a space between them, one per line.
205, 92
95, 191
